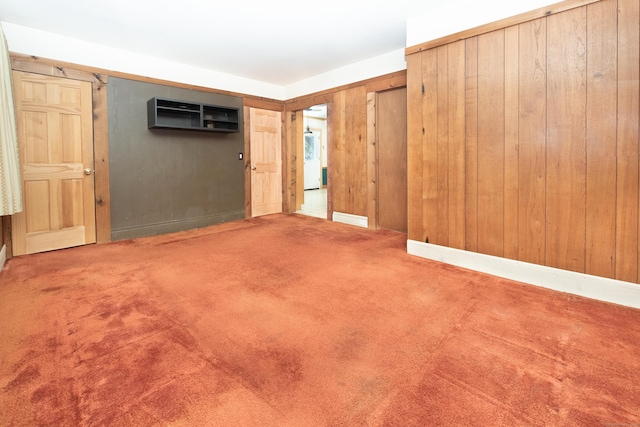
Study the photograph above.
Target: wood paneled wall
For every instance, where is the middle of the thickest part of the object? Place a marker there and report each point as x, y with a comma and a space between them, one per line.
348, 165
523, 141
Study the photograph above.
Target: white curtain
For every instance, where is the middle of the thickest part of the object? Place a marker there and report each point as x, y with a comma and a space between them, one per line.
10, 183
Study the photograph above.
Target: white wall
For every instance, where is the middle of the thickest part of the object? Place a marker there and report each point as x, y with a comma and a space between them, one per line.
448, 19
460, 15
373, 67
29, 41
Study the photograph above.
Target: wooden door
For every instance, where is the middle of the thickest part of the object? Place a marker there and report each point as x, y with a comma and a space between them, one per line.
266, 161
55, 138
391, 125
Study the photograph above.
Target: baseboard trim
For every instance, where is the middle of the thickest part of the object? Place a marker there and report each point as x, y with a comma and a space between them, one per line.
594, 287
3, 256
136, 231
345, 218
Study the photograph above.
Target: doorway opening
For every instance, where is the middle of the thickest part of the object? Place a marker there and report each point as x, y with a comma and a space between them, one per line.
314, 148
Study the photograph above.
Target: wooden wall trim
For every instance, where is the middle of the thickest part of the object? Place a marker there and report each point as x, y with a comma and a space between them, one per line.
56, 68
298, 137
375, 84
32, 64
101, 162
501, 24
372, 179
305, 103
289, 162
329, 162
247, 161
6, 235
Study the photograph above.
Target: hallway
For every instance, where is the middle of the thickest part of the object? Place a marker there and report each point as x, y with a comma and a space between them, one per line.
315, 203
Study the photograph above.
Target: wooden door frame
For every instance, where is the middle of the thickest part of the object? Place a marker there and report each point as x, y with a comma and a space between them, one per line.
300, 157
100, 141
292, 152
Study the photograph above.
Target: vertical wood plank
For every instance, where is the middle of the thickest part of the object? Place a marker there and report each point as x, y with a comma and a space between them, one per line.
456, 145
338, 170
491, 143
247, 163
443, 146
101, 161
627, 209
298, 137
356, 150
414, 148
471, 144
566, 140
289, 184
372, 162
602, 77
430, 145
511, 142
532, 123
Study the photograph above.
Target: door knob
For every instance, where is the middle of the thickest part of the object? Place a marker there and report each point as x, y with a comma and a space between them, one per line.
87, 171
253, 168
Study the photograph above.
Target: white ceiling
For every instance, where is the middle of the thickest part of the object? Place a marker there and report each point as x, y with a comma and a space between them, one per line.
277, 41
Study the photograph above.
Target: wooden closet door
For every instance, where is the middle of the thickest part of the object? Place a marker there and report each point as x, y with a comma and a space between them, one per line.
55, 138
391, 127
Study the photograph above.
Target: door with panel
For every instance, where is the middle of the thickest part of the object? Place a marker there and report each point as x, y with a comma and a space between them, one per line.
55, 138
266, 161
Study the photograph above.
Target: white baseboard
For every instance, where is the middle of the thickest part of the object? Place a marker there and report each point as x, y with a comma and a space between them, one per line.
3, 256
345, 218
600, 288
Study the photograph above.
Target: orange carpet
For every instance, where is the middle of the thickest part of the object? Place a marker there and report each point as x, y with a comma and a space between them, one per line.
294, 321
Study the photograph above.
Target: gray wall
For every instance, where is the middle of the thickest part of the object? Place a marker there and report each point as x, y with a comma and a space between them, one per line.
169, 180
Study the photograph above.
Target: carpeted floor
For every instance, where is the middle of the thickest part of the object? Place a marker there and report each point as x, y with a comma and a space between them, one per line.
288, 320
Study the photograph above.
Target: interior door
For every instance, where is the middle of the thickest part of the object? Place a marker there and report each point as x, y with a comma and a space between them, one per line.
391, 127
266, 161
311, 161
55, 138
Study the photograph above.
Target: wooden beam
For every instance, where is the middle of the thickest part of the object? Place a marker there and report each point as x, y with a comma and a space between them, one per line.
31, 64
393, 81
